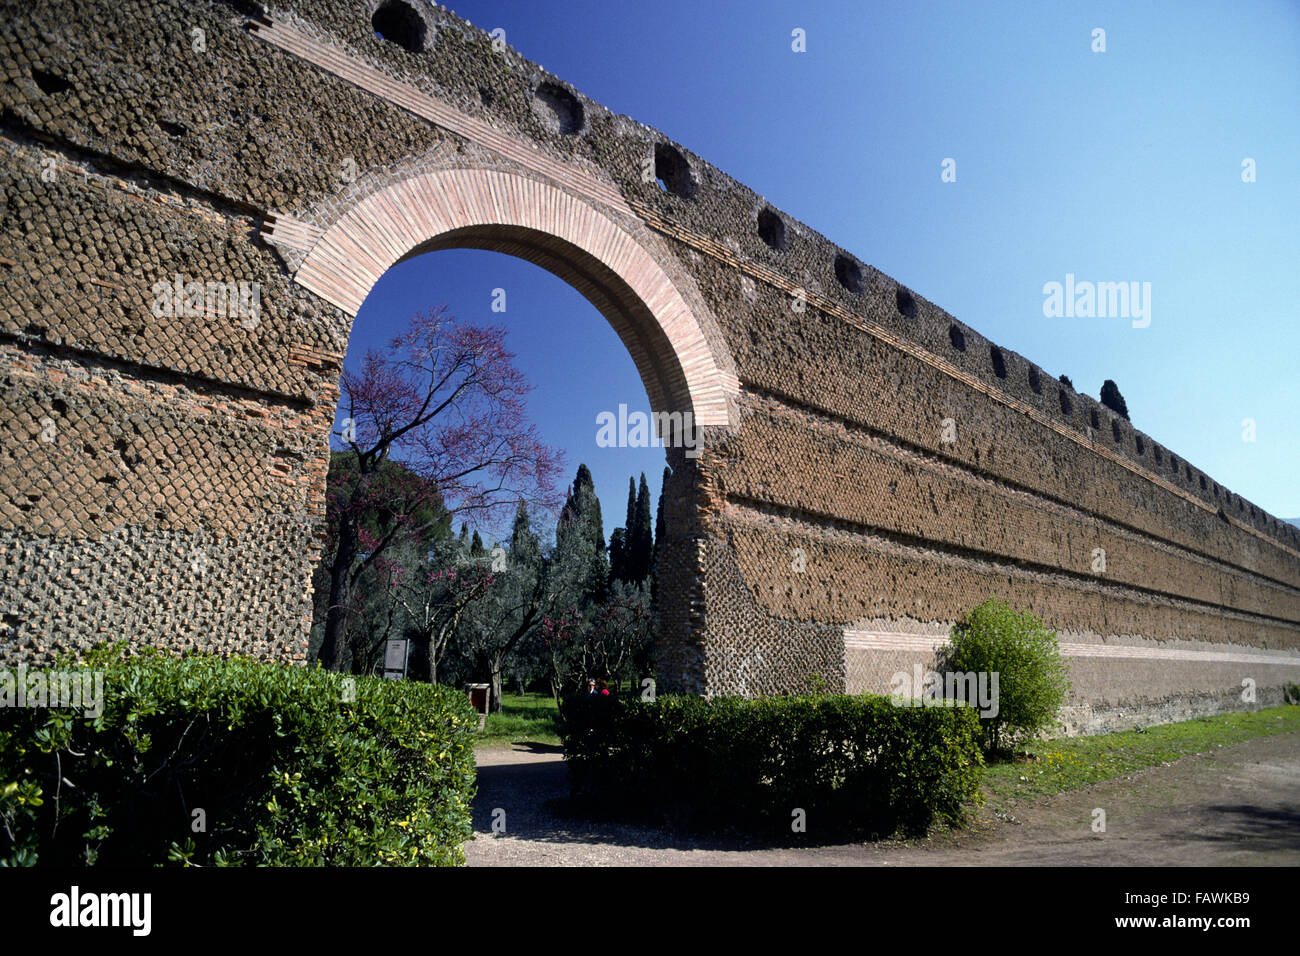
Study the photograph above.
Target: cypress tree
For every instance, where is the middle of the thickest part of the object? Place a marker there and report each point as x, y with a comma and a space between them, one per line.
581, 515
1112, 399
659, 511
640, 537
476, 548
619, 540
525, 549
618, 555
659, 536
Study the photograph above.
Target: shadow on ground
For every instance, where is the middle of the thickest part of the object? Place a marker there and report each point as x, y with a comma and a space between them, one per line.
529, 797
1255, 828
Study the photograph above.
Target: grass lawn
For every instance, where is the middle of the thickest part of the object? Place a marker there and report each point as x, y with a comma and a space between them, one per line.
524, 718
1051, 766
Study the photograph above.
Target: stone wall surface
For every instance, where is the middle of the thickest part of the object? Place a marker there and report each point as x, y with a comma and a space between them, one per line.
872, 467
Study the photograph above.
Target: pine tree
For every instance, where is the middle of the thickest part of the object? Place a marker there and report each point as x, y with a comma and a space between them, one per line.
476, 548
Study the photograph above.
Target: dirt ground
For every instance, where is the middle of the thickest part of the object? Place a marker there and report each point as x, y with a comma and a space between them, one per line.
1233, 806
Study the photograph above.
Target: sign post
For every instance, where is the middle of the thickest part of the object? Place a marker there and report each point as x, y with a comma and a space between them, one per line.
395, 657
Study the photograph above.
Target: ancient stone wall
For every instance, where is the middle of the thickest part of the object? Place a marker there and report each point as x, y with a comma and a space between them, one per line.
872, 467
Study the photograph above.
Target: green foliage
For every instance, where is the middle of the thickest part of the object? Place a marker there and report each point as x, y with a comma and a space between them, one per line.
394, 493
581, 531
618, 554
1032, 683
1112, 399
290, 766
660, 530
1291, 693
640, 537
855, 765
631, 548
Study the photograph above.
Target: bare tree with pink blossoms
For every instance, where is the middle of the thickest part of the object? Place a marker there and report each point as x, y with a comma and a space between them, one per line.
446, 400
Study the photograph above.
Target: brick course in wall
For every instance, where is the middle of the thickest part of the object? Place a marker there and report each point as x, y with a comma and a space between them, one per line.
162, 478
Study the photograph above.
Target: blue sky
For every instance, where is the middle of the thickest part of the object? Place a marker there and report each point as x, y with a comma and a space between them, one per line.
1124, 165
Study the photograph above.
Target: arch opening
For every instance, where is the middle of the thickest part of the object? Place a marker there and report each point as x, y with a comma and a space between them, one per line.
505, 212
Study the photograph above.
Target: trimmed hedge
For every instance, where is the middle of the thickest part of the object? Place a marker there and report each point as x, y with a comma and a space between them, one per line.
286, 769
855, 765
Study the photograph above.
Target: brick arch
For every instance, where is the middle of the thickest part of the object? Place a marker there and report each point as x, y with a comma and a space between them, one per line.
505, 212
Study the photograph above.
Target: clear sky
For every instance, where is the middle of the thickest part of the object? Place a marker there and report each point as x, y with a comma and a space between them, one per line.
1123, 165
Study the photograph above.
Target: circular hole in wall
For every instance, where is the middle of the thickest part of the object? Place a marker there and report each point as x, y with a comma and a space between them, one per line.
558, 109
849, 274
771, 229
398, 22
673, 171
999, 363
905, 302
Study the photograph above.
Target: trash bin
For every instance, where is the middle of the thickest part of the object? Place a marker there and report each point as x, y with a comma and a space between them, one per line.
480, 697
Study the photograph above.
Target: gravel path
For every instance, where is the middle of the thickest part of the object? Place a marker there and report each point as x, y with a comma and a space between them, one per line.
1234, 806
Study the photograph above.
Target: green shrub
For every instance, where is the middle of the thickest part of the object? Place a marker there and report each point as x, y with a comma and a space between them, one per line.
1032, 678
1291, 692
854, 765
289, 766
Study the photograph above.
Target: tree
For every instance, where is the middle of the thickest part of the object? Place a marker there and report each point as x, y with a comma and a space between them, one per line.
640, 537
618, 555
631, 503
446, 400
1112, 399
1032, 677
660, 528
580, 519
528, 591
435, 598
375, 612
615, 638
1065, 380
